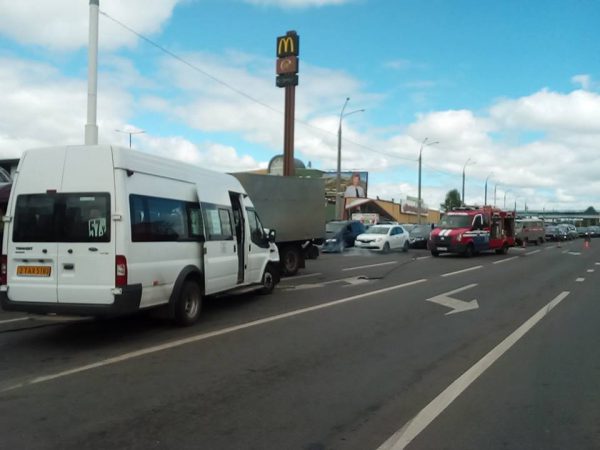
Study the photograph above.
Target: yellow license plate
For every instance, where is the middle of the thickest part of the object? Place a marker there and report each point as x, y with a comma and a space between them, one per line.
33, 271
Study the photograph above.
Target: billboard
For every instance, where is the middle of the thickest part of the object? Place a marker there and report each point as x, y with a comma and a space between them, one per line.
410, 206
352, 183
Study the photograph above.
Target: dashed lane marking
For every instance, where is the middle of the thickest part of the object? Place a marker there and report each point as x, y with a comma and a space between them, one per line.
505, 260
461, 271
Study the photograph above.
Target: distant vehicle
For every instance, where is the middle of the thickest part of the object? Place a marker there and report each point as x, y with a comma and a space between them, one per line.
468, 230
594, 231
529, 231
419, 235
97, 230
569, 230
384, 238
555, 233
282, 204
583, 231
340, 234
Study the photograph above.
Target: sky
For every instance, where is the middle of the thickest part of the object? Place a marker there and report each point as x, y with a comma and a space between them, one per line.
508, 91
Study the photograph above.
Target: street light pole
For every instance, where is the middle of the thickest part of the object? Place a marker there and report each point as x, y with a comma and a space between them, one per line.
423, 144
485, 197
338, 180
463, 181
130, 133
495, 186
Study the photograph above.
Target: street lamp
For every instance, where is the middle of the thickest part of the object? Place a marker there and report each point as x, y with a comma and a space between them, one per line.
505, 192
130, 133
485, 198
423, 144
338, 184
463, 180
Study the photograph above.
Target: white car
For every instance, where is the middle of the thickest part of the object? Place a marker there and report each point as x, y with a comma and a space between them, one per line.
383, 238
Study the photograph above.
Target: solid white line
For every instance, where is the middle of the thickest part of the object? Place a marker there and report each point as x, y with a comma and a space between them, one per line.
370, 265
204, 336
579, 280
14, 320
533, 252
299, 277
423, 257
504, 260
590, 270
413, 428
461, 271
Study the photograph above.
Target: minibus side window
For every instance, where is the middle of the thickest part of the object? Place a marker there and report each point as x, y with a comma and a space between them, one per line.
257, 233
217, 221
155, 219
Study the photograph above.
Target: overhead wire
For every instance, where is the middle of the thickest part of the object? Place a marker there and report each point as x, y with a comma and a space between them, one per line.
239, 91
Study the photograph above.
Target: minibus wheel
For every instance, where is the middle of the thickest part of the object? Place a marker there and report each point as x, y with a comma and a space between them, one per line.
189, 304
268, 281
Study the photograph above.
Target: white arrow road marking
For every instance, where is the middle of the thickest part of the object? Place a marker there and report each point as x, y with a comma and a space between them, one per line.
454, 304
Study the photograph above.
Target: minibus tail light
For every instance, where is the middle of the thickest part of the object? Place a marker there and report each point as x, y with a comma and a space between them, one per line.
120, 271
3, 270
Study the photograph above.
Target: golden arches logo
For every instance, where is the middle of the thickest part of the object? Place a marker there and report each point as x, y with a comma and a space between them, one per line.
287, 46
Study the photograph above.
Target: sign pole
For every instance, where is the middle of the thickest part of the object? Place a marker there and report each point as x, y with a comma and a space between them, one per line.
287, 77
289, 165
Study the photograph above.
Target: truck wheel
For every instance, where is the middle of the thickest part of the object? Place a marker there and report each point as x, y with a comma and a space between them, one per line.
313, 252
290, 259
469, 251
268, 281
189, 304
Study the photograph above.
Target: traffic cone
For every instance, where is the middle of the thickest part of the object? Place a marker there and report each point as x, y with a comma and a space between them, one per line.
586, 243
524, 243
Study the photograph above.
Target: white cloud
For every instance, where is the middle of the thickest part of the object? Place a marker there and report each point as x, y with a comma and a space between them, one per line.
585, 81
63, 24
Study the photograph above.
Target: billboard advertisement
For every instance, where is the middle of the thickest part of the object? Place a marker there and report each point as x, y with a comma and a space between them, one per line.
353, 183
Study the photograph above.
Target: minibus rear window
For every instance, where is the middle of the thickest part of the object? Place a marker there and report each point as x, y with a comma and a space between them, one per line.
79, 217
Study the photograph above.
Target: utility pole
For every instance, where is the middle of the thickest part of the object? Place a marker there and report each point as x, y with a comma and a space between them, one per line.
463, 182
485, 197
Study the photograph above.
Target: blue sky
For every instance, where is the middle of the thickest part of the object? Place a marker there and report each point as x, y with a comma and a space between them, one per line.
510, 84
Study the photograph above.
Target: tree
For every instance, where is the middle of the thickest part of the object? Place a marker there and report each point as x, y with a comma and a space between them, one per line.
452, 200
590, 210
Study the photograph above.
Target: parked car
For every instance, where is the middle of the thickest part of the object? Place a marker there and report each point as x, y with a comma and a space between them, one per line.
583, 231
570, 231
555, 233
418, 235
594, 230
384, 238
340, 234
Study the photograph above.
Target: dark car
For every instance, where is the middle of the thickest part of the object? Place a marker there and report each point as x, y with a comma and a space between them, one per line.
594, 231
340, 234
555, 233
418, 235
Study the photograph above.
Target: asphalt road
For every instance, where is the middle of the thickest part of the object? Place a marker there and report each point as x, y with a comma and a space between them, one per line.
361, 351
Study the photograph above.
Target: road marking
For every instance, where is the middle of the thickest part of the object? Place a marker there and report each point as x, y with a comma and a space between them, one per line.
360, 279
299, 277
422, 257
506, 259
455, 304
401, 438
574, 253
533, 252
580, 279
598, 263
590, 270
370, 265
204, 336
19, 319
461, 271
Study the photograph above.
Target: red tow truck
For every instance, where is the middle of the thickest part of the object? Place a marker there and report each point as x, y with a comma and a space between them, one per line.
468, 230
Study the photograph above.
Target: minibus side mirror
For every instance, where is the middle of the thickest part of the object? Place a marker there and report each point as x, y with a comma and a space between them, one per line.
272, 236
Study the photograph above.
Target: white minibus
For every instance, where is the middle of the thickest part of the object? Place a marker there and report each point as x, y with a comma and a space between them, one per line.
103, 230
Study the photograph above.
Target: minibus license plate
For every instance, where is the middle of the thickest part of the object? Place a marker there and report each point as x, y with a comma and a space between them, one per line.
33, 271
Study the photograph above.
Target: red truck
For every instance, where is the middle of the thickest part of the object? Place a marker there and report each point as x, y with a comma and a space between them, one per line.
469, 230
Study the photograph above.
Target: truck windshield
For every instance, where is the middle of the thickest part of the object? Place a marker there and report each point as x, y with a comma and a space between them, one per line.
455, 221
77, 217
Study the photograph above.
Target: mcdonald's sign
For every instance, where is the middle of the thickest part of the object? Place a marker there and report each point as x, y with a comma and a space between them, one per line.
288, 45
